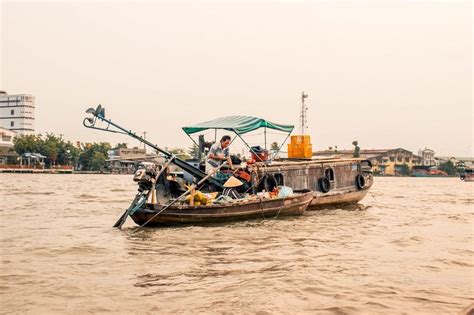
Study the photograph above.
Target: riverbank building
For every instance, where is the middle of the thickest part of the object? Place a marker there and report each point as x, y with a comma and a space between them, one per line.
17, 113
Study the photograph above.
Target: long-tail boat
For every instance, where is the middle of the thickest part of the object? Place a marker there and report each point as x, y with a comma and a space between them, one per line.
467, 175
240, 209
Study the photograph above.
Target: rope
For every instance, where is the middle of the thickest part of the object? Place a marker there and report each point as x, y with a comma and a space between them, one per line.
261, 208
373, 196
282, 204
254, 186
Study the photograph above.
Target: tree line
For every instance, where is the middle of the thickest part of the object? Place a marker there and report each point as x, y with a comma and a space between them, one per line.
93, 156
82, 156
86, 156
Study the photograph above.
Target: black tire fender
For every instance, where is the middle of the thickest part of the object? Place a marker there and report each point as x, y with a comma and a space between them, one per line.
324, 184
269, 182
360, 181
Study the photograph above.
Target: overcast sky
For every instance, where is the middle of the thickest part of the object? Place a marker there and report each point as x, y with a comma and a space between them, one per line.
386, 73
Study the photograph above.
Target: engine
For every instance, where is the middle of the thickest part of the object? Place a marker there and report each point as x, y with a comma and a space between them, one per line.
145, 176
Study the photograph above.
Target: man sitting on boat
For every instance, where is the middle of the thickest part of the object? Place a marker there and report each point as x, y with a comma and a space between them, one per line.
218, 153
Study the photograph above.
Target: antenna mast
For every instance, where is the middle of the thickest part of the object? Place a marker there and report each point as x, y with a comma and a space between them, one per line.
303, 118
144, 137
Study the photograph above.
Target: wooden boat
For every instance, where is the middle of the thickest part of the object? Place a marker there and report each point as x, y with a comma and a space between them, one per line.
467, 176
424, 171
243, 209
340, 197
334, 181
347, 180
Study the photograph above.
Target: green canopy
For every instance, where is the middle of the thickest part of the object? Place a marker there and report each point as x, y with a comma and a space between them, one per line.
237, 124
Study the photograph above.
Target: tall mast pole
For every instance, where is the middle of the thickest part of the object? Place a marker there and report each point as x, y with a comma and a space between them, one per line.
144, 137
303, 119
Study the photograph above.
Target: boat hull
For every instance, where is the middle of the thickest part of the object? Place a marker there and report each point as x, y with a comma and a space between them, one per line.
337, 198
306, 174
468, 178
243, 210
428, 175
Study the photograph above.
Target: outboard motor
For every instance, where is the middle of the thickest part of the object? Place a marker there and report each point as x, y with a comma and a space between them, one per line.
145, 175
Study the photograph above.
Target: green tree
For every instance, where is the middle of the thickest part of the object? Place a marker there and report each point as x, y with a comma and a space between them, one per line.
356, 153
274, 146
194, 152
122, 145
93, 156
448, 167
50, 147
179, 152
97, 162
27, 143
58, 151
404, 169
68, 154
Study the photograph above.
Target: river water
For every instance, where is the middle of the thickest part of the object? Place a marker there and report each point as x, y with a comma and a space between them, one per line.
408, 248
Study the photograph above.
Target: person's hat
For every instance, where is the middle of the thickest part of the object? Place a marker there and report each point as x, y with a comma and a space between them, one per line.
232, 182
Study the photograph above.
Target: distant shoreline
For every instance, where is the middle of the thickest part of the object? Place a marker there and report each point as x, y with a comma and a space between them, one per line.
413, 176
52, 171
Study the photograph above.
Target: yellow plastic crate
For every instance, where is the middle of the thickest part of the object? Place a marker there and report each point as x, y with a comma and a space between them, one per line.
301, 139
305, 152
304, 146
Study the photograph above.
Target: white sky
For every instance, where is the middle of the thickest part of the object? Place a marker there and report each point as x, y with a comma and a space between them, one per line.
386, 73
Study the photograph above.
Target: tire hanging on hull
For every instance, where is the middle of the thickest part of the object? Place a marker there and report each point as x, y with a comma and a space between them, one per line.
324, 184
360, 181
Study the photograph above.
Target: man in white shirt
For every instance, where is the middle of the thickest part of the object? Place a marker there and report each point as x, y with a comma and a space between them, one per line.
218, 153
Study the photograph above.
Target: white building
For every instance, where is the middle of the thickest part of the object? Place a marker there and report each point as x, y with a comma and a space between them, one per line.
6, 137
17, 112
427, 157
7, 154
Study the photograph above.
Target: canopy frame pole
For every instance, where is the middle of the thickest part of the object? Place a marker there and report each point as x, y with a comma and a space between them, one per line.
233, 139
189, 136
215, 135
279, 149
193, 140
265, 136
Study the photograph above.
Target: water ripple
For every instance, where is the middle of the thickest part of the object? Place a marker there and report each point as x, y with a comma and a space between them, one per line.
407, 248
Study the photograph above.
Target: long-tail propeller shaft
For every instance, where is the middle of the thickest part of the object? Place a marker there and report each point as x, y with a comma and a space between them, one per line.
99, 114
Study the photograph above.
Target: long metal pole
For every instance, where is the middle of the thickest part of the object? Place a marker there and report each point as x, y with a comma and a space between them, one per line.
281, 145
251, 150
181, 163
193, 140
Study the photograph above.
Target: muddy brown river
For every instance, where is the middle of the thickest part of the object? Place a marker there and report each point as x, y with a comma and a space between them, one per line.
408, 248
